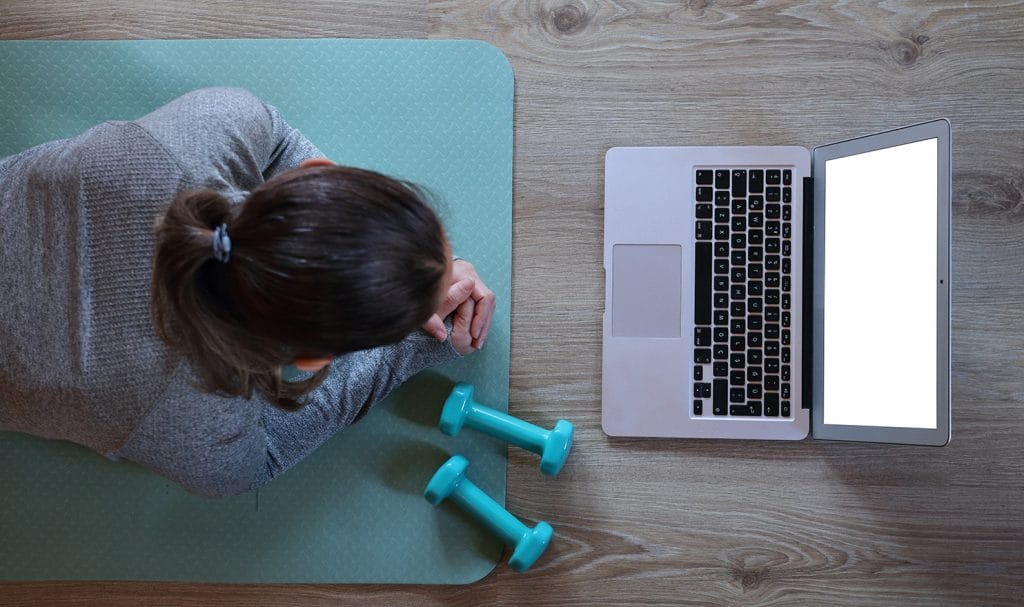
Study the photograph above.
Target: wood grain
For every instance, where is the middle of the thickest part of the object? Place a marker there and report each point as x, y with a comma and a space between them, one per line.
651, 522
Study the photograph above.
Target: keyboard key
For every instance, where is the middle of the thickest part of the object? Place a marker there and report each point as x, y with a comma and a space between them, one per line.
739, 183
786, 337
787, 230
739, 206
701, 337
787, 195
702, 356
721, 335
785, 373
721, 300
722, 179
721, 317
756, 181
738, 325
756, 203
738, 274
719, 405
771, 365
785, 355
721, 249
786, 301
748, 410
787, 177
784, 409
722, 231
736, 395
773, 211
704, 211
722, 215
771, 314
702, 283
721, 266
753, 391
739, 241
772, 228
771, 382
737, 378
739, 224
754, 374
720, 352
772, 262
756, 220
754, 340
698, 372
786, 319
787, 265
755, 271
784, 391
771, 348
702, 390
698, 407
787, 283
736, 343
738, 308
772, 245
736, 361
771, 398
772, 195
738, 258
720, 369
787, 212
721, 283
755, 237
702, 230
773, 177
787, 248
771, 410
722, 198
754, 357
771, 280
705, 194
738, 291
755, 305
755, 254
771, 297
754, 322
705, 177
771, 331
755, 288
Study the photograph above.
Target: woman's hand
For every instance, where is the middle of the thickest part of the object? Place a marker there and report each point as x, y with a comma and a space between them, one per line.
473, 304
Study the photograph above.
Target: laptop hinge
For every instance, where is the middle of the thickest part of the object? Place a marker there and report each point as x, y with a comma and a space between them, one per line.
807, 354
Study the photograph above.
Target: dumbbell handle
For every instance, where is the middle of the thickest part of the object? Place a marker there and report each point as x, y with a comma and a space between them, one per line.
473, 500
514, 430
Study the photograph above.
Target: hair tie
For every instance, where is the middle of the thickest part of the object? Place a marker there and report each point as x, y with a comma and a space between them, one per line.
221, 243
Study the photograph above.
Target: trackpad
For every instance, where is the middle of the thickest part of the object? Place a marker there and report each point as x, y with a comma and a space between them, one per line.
647, 290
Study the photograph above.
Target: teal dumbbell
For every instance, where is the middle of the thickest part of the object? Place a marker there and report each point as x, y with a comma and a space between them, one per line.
450, 482
552, 445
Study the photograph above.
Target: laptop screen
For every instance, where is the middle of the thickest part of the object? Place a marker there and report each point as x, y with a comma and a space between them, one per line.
880, 266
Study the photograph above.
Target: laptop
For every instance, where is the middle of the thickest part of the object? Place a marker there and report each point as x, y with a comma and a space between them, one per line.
777, 292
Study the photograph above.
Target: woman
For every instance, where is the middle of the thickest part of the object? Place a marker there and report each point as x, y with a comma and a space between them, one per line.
178, 346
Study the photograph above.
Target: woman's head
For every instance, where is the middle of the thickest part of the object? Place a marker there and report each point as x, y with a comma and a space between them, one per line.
324, 260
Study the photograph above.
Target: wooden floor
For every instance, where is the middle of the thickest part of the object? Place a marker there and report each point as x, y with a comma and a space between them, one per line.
655, 522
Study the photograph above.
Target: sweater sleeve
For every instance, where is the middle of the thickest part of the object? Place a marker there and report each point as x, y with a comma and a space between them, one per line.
227, 139
217, 446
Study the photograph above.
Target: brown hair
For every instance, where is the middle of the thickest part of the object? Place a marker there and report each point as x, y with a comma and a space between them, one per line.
323, 260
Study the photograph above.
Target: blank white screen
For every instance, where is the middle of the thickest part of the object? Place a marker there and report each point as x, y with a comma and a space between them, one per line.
880, 292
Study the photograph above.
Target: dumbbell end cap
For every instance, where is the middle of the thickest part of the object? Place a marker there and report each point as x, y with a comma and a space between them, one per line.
456, 408
557, 448
530, 547
446, 479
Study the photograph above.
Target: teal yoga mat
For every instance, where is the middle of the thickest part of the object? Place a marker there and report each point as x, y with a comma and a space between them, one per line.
438, 113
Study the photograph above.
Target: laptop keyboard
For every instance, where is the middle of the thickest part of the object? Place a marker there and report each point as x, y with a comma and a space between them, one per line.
743, 292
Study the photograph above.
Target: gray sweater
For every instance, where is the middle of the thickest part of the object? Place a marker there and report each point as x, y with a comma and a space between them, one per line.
79, 359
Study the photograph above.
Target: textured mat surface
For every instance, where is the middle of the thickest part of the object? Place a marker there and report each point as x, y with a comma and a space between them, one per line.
438, 113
